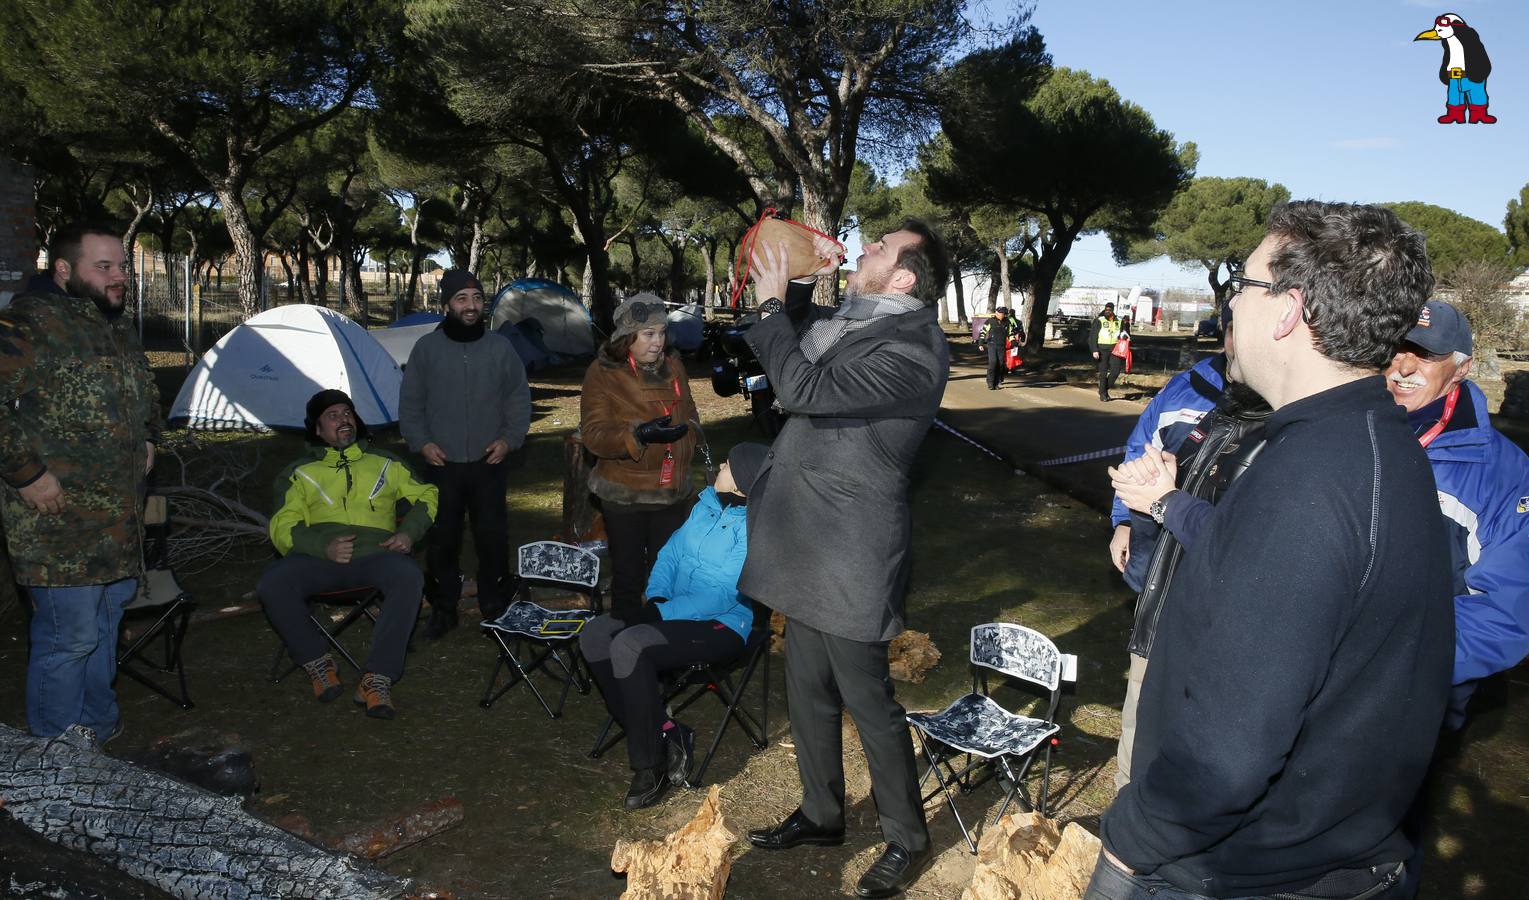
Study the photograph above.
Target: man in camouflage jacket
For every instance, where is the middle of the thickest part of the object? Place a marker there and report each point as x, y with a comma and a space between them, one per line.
78, 415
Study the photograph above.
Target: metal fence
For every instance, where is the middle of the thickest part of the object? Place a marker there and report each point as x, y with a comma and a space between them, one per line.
180, 313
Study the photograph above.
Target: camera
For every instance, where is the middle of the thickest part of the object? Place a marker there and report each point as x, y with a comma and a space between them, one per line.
735, 370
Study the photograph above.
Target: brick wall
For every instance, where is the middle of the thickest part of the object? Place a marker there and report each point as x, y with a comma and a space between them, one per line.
18, 232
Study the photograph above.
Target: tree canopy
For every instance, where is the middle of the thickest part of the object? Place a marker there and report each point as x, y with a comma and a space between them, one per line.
1453, 239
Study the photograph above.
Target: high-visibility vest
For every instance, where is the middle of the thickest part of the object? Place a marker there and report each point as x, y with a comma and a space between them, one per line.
1109, 331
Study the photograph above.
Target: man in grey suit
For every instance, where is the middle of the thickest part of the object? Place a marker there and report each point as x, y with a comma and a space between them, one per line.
829, 525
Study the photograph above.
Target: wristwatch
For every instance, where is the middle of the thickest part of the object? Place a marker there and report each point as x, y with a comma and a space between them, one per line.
1158, 508
771, 306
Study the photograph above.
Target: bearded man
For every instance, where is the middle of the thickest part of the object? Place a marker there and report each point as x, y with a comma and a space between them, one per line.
465, 404
78, 417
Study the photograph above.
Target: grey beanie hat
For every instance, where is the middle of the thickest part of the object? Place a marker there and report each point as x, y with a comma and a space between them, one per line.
637, 312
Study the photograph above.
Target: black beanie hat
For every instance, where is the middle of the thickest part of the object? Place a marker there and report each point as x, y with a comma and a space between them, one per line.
453, 280
746, 461
322, 401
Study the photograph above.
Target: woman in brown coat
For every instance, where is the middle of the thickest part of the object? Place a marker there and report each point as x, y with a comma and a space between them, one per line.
636, 414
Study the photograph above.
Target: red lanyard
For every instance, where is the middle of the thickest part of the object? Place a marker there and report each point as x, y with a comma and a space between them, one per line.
1449, 410
666, 469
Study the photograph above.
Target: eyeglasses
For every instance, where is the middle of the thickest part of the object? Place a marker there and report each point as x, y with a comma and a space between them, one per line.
1239, 282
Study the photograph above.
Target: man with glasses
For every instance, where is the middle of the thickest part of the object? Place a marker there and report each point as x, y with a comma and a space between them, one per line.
1300, 663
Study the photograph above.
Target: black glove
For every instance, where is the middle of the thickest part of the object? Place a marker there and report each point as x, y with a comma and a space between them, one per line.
660, 431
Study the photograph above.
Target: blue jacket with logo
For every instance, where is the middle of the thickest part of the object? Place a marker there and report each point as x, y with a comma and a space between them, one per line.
1483, 483
1173, 414
698, 568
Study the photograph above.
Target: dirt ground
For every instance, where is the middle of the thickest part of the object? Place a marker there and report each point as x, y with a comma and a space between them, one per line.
542, 817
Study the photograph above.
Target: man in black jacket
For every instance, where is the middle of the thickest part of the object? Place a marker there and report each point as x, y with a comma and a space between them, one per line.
1301, 663
830, 529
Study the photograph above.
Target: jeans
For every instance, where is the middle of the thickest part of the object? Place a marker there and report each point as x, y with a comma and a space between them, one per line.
1110, 882
1464, 90
74, 656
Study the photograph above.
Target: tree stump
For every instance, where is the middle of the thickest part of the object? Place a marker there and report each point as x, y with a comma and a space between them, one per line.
690, 864
1022, 857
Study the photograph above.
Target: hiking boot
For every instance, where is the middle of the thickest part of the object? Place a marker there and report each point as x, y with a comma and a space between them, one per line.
648, 787
441, 621
376, 694
679, 745
326, 678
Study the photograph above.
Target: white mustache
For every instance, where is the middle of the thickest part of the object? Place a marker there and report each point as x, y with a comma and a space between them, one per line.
1408, 382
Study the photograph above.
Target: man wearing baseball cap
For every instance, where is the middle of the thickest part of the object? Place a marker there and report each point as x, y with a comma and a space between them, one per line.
1483, 482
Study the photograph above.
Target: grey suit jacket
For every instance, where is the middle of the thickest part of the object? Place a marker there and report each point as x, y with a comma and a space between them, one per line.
829, 526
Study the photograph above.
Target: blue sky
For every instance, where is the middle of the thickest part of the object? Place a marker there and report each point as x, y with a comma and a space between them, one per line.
1332, 99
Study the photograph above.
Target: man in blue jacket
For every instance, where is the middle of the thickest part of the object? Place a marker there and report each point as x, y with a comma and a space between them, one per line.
1483, 481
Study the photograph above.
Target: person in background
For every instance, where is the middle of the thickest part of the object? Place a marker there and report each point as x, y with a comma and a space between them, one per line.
1106, 332
996, 334
635, 412
694, 614
465, 405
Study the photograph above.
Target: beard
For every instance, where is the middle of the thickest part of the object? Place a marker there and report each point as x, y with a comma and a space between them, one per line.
78, 288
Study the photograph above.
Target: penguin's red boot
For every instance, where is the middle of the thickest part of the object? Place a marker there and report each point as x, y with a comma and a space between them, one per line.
1480, 114
1455, 114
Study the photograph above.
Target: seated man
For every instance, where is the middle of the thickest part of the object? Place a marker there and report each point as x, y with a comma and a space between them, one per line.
336, 529
694, 614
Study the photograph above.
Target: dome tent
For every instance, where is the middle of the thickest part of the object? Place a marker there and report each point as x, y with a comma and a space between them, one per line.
260, 375
567, 329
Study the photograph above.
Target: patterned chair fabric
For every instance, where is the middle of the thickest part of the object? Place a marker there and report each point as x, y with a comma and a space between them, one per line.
529, 620
1018, 652
976, 724
555, 561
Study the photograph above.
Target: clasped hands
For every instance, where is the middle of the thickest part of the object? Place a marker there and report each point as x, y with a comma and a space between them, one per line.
1140, 481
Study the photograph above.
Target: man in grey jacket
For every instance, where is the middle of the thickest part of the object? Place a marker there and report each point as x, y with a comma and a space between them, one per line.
464, 406
830, 529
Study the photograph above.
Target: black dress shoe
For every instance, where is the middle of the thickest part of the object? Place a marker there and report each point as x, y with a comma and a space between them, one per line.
797, 829
894, 873
648, 787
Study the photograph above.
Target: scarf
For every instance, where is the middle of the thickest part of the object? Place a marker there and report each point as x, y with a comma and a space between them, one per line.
461, 332
856, 312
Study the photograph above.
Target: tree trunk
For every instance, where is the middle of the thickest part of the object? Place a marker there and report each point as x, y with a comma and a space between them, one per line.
1046, 267
479, 241
321, 277
631, 241
1218, 288
1003, 276
183, 839
677, 272
709, 296
287, 268
246, 246
822, 212
304, 273
960, 300
357, 292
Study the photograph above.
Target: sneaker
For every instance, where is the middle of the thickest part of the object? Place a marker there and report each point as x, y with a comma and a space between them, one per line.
648, 787
326, 678
375, 692
679, 744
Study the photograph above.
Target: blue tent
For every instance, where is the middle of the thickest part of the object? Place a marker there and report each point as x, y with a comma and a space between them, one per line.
566, 327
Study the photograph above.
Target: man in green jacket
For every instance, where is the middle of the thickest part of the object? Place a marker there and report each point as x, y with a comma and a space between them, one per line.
337, 528
78, 412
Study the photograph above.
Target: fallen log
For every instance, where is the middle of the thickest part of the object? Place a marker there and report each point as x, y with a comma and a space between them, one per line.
406, 830
689, 864
182, 839
911, 655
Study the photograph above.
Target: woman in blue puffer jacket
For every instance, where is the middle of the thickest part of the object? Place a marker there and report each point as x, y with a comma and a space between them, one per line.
694, 614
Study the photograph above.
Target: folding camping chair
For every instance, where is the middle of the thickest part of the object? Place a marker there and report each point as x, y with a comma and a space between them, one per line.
364, 602
977, 726
549, 633
161, 596
716, 679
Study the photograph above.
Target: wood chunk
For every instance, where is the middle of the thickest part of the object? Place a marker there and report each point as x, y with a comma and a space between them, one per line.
911, 655
777, 632
689, 864
1022, 857
419, 824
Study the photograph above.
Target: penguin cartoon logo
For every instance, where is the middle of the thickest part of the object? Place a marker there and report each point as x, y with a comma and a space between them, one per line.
1464, 70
